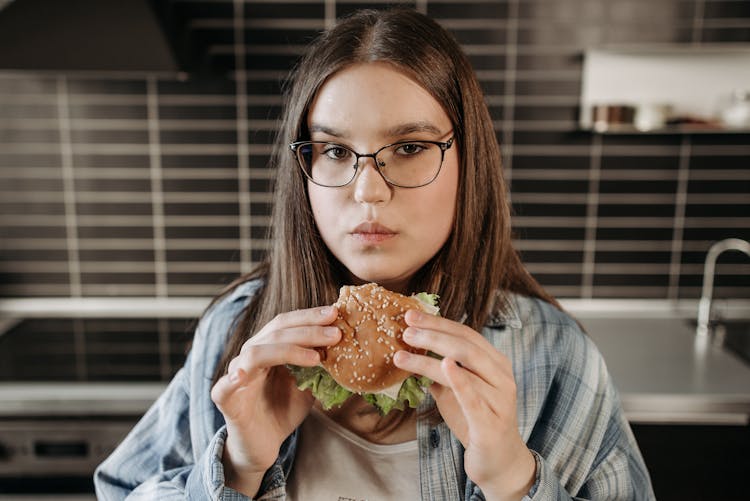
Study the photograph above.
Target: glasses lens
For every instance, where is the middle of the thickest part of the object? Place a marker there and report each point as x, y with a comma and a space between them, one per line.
327, 164
411, 164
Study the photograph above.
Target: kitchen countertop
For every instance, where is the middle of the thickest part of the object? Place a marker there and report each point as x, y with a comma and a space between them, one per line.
663, 374
667, 375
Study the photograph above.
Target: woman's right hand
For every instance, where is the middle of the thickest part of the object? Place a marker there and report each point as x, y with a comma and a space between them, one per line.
258, 396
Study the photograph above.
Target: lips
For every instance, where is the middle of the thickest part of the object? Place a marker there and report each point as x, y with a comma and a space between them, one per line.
372, 232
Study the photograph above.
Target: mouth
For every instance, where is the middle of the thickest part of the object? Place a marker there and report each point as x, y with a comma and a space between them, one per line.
372, 232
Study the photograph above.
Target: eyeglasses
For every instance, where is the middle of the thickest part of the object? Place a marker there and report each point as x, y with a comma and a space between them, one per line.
406, 164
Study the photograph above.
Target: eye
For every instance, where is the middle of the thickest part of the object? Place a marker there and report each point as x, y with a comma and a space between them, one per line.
408, 149
335, 152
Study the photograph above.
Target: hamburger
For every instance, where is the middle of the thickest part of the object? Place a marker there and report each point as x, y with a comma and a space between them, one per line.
371, 319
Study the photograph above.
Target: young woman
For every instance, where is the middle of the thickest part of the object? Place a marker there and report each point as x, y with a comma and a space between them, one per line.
522, 405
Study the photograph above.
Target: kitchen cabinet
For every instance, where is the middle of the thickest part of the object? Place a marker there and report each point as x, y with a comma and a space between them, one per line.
696, 463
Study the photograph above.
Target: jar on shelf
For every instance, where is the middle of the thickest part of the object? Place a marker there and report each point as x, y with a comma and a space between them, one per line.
736, 113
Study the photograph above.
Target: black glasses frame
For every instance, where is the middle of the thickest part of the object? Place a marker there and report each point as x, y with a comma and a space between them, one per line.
443, 145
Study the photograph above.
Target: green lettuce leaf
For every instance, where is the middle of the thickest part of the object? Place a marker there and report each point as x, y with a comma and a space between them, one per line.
325, 389
322, 385
431, 299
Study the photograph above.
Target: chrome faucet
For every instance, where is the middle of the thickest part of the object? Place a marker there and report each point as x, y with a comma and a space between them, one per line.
704, 307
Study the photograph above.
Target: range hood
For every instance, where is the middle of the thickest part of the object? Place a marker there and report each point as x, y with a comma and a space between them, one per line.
83, 35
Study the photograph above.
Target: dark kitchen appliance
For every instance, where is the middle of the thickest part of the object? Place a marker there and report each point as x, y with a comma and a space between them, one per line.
75, 379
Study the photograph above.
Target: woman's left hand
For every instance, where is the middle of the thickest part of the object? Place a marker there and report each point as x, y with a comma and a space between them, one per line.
475, 392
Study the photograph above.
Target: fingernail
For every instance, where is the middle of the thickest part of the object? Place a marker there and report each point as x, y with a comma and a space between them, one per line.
401, 357
325, 311
234, 376
410, 333
414, 315
331, 331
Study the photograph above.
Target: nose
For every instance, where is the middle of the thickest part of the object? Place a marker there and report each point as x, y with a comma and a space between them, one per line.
370, 187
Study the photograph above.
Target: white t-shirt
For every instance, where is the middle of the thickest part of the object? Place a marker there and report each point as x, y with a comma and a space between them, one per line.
334, 464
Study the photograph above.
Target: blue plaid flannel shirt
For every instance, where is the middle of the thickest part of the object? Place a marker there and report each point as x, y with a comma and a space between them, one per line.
569, 414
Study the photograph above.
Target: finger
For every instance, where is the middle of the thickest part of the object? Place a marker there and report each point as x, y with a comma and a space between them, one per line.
459, 378
436, 323
488, 364
422, 365
468, 392
423, 320
322, 315
308, 336
498, 395
265, 356
439, 391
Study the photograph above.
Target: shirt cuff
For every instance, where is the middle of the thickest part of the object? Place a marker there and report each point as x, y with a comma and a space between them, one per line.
546, 485
206, 481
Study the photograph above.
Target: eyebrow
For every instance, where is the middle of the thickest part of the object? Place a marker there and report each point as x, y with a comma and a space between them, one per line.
315, 127
397, 130
412, 127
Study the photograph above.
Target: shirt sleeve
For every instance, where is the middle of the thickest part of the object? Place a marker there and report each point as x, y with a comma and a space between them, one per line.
156, 460
583, 444
175, 450
618, 477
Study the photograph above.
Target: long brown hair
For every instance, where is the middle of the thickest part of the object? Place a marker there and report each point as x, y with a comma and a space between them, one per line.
477, 264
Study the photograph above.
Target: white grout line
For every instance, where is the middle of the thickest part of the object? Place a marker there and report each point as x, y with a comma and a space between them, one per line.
68, 178
243, 148
697, 25
509, 96
330, 14
592, 208
680, 204
228, 220
157, 193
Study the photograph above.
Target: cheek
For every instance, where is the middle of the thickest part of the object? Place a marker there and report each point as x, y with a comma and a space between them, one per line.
438, 209
325, 208
317, 204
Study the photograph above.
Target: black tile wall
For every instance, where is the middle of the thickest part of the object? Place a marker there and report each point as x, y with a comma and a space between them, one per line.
118, 349
128, 184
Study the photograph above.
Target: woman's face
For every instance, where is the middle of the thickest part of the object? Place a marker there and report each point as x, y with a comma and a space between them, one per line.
379, 232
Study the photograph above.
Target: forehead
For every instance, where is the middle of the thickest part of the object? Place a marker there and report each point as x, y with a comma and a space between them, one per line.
375, 99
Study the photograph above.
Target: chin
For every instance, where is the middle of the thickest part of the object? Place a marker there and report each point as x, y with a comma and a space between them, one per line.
391, 269
388, 276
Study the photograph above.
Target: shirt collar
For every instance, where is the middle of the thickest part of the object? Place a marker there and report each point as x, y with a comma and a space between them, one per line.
505, 312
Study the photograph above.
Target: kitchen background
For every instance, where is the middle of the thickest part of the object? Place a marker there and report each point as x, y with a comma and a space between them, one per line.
125, 171
153, 185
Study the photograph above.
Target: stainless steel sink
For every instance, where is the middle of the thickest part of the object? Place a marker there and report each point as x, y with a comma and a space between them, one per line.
735, 336
667, 374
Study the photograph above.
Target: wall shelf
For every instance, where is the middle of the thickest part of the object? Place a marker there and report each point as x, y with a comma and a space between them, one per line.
688, 83
619, 129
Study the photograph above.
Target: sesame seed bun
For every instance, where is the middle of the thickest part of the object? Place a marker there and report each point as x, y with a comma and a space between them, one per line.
371, 319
